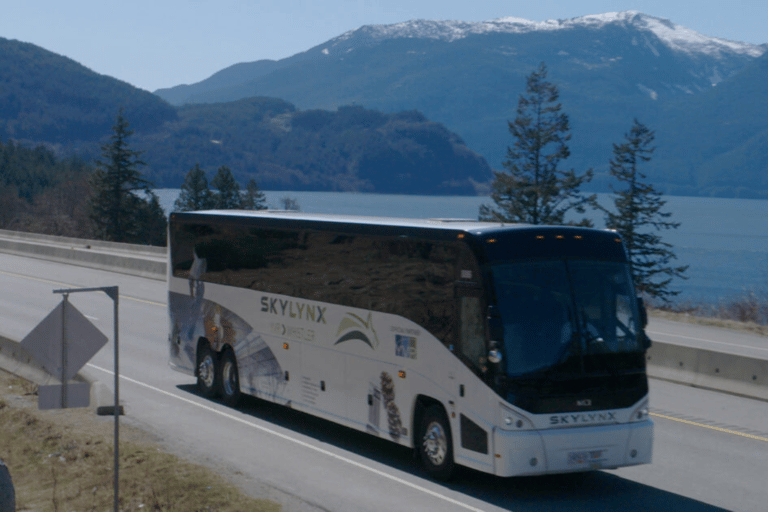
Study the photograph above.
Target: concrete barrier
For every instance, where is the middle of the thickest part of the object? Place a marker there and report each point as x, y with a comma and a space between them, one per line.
146, 250
138, 260
708, 369
14, 359
735, 374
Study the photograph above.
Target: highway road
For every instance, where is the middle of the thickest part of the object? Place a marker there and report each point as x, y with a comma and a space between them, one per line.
711, 449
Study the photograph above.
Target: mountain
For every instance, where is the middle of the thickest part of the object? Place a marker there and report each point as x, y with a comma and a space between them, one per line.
45, 97
283, 148
717, 140
609, 68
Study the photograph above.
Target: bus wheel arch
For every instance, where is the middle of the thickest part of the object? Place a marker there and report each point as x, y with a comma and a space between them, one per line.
229, 377
207, 369
433, 439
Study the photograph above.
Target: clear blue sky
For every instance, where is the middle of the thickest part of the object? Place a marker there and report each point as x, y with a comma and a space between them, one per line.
162, 43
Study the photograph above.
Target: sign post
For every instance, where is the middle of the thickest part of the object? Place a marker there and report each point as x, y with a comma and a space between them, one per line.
78, 341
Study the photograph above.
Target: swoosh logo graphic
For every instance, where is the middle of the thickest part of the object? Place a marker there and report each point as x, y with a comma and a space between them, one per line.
353, 327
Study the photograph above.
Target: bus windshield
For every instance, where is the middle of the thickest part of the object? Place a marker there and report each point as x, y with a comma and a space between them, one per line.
550, 309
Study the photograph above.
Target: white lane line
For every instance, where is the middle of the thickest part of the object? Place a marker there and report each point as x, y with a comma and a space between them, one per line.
708, 341
297, 441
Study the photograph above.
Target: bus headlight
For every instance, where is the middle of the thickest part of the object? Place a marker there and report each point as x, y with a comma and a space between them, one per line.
511, 420
641, 412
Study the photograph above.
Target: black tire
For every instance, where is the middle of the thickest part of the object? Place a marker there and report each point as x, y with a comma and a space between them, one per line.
229, 377
207, 371
436, 444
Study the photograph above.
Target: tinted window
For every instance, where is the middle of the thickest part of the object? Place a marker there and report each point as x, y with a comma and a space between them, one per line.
399, 275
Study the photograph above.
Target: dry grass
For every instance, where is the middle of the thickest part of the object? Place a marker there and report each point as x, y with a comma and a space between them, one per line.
748, 313
62, 460
694, 318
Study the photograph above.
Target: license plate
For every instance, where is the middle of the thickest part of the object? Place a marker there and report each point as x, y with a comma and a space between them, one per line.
591, 458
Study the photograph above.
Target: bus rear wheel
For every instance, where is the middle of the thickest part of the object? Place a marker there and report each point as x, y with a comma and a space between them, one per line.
207, 382
230, 379
436, 445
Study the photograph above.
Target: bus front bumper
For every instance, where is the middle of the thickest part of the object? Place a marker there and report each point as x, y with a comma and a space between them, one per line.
569, 450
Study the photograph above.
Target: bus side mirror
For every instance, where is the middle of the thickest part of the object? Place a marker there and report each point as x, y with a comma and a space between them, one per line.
643, 322
496, 335
643, 312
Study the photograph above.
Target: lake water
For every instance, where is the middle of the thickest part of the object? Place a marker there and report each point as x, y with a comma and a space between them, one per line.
724, 241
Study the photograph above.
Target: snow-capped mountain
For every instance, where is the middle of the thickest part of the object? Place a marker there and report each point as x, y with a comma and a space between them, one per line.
674, 36
610, 68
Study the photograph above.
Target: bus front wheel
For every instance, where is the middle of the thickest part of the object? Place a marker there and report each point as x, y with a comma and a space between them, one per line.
230, 379
436, 445
207, 383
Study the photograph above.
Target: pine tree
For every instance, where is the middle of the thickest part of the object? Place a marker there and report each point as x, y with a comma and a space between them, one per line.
154, 224
227, 195
638, 214
195, 194
119, 196
534, 190
253, 198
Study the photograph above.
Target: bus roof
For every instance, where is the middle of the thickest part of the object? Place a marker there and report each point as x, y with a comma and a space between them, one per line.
455, 224
498, 241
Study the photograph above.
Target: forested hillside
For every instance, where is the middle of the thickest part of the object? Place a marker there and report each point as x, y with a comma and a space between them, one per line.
42, 193
351, 149
51, 100
45, 97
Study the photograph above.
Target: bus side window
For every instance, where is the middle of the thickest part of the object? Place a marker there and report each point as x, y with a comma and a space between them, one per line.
472, 332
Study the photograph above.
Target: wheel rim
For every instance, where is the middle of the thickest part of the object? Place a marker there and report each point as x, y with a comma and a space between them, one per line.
229, 379
435, 443
206, 371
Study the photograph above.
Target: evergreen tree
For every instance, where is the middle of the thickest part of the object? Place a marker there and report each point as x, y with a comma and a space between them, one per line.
119, 193
227, 195
534, 190
638, 214
195, 194
253, 198
154, 225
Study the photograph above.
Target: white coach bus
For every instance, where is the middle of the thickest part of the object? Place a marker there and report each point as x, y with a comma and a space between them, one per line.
510, 349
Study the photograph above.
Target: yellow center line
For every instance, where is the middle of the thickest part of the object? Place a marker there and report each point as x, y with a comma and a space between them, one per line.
47, 281
145, 301
69, 285
711, 427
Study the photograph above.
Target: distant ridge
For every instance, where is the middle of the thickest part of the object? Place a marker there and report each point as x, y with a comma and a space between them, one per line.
610, 68
421, 107
48, 97
51, 100
675, 36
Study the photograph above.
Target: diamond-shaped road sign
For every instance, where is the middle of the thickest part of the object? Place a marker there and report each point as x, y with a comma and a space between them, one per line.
45, 342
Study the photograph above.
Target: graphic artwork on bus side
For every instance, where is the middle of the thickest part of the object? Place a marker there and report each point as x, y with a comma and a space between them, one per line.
393, 413
195, 317
405, 346
353, 327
